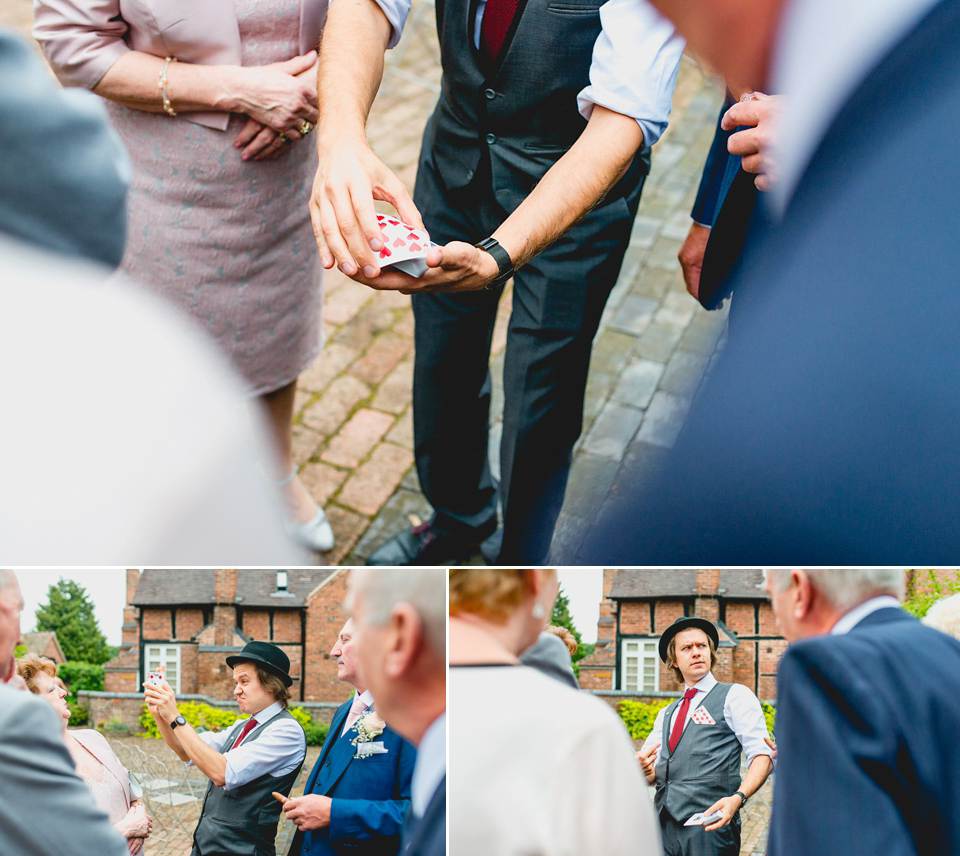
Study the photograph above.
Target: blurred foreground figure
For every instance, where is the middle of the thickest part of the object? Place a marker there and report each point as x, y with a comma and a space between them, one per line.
36, 768
867, 720
138, 450
828, 433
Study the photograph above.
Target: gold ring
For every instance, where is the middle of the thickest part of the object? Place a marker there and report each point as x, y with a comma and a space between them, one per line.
283, 139
305, 128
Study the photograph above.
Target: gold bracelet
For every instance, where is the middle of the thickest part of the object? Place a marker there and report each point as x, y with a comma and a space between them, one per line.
162, 85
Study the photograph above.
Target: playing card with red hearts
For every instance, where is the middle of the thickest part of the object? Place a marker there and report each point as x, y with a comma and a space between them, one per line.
701, 717
405, 247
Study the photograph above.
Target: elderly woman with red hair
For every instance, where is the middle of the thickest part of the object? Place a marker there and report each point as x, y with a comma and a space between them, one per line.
108, 780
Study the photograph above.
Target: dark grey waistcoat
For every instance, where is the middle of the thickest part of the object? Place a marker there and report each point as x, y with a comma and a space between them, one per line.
705, 765
242, 821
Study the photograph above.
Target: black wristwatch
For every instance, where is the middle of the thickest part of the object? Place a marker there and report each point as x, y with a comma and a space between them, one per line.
743, 799
501, 257
178, 721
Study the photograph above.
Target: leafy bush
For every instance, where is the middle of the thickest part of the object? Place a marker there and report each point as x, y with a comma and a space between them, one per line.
926, 589
79, 714
79, 676
639, 716
316, 731
203, 717
770, 715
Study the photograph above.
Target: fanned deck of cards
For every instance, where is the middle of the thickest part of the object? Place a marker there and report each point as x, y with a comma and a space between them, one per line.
701, 717
405, 247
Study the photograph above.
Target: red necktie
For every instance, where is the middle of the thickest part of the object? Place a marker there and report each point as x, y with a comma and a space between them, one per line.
497, 18
681, 718
251, 724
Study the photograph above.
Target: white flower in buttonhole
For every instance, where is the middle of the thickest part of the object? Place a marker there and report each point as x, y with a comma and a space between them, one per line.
368, 726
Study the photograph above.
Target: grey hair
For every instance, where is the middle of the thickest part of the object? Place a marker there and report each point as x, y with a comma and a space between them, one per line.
425, 589
844, 588
944, 616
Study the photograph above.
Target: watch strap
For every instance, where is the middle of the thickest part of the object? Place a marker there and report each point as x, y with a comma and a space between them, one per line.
501, 257
743, 798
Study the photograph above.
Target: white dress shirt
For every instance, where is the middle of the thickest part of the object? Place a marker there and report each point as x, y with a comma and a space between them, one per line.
279, 749
431, 765
824, 50
367, 698
741, 712
851, 619
634, 66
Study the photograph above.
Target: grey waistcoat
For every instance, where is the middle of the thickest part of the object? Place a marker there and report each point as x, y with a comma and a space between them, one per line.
243, 820
522, 113
705, 765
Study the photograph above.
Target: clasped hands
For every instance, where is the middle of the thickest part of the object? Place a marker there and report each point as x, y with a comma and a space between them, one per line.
161, 701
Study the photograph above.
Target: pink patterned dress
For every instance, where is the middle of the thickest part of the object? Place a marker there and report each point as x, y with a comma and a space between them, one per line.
229, 241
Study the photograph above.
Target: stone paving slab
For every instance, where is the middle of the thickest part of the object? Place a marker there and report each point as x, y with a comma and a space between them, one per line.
353, 427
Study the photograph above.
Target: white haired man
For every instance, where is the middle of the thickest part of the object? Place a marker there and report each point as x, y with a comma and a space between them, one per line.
868, 715
399, 620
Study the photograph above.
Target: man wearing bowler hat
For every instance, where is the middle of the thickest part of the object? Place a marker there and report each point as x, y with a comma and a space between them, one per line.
693, 752
246, 762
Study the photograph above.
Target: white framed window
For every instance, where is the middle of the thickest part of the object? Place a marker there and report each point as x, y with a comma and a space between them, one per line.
639, 670
156, 656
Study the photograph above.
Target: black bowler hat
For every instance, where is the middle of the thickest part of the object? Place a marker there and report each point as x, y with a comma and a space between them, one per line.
685, 624
264, 654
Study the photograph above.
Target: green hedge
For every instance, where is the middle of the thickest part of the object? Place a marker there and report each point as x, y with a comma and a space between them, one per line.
640, 716
204, 717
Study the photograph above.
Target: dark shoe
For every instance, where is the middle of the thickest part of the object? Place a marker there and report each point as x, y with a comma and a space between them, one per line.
423, 545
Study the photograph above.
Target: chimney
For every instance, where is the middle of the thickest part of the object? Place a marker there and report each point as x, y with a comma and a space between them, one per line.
130, 633
225, 606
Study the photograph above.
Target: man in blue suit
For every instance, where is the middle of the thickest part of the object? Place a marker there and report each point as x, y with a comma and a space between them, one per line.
358, 792
868, 715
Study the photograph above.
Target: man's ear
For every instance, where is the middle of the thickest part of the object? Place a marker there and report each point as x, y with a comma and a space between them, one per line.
803, 594
404, 640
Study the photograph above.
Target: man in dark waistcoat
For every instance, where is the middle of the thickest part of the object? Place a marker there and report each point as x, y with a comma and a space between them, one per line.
245, 763
507, 114
693, 751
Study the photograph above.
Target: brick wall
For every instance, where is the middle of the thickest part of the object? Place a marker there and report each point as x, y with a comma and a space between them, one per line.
157, 624
325, 617
189, 623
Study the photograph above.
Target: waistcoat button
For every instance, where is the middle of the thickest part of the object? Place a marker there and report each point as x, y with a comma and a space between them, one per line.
491, 139
490, 94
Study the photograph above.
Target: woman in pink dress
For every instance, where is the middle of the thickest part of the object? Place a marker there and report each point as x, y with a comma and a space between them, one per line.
213, 100
108, 780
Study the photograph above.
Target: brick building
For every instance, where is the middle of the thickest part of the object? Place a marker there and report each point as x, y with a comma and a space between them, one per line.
639, 605
192, 620
45, 644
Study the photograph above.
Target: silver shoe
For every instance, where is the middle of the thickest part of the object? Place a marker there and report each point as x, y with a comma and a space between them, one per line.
315, 534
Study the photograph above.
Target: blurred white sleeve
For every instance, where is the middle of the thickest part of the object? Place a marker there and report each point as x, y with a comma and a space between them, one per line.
634, 68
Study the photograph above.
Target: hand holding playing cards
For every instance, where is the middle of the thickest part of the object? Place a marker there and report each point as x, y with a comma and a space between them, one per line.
728, 806
311, 811
160, 699
349, 178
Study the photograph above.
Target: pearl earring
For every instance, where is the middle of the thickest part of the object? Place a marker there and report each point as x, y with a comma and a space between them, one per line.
538, 611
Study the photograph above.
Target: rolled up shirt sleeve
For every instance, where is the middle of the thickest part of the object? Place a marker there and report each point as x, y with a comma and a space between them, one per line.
634, 66
744, 715
396, 12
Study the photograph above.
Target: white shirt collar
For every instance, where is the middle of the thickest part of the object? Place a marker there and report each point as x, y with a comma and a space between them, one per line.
366, 697
824, 50
851, 619
705, 684
268, 712
431, 765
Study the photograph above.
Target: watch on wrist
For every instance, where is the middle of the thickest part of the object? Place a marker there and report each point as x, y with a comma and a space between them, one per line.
501, 257
743, 799
178, 721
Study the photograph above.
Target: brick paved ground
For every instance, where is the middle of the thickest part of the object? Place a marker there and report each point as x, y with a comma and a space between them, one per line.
353, 433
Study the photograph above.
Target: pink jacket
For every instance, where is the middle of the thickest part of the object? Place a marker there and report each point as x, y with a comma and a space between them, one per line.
83, 38
96, 744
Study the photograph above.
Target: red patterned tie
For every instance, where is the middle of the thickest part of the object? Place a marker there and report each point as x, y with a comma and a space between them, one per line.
497, 18
251, 724
681, 718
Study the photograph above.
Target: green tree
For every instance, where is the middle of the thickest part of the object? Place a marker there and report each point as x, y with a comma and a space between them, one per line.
69, 613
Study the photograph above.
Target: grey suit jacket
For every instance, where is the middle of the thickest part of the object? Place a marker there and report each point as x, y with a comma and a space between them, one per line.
64, 171
39, 784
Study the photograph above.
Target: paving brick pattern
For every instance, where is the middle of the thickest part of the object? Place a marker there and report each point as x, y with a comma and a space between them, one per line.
353, 434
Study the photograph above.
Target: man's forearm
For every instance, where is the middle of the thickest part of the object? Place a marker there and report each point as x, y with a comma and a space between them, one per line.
760, 767
169, 736
208, 760
572, 186
350, 68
